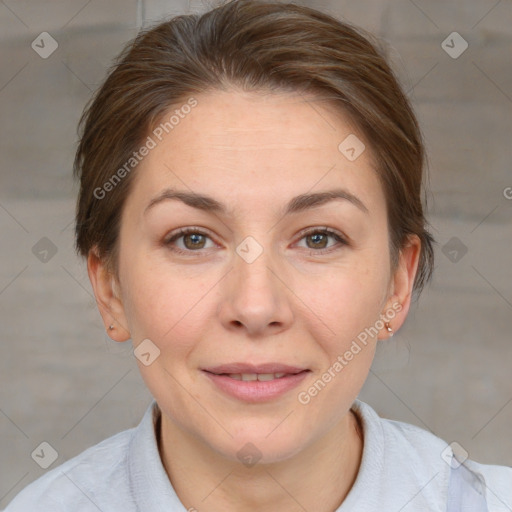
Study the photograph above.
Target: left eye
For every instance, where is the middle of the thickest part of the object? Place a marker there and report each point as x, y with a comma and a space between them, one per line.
319, 238
194, 239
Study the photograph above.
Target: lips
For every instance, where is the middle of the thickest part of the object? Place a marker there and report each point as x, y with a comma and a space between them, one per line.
251, 369
255, 383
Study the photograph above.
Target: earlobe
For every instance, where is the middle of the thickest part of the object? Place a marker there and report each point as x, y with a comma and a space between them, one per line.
107, 296
402, 286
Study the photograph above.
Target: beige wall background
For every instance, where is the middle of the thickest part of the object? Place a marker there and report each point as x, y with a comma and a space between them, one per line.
448, 370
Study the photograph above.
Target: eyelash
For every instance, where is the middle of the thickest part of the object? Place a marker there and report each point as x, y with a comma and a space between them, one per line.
185, 231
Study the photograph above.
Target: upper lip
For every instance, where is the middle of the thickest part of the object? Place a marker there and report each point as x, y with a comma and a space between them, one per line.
235, 368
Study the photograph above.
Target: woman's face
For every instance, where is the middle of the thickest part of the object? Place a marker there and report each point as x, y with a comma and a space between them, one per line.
259, 282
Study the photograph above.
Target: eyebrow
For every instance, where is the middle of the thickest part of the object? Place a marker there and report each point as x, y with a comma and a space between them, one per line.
297, 204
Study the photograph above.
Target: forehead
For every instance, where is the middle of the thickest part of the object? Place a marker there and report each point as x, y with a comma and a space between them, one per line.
241, 122
249, 145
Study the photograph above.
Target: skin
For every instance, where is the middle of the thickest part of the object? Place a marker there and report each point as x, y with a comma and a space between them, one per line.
254, 152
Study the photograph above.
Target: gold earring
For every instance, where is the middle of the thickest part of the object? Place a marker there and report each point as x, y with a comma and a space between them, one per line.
389, 329
111, 327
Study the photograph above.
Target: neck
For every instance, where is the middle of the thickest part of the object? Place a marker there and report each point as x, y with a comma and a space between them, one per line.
317, 478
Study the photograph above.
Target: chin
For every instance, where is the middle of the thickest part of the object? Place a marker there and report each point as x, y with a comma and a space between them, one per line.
253, 445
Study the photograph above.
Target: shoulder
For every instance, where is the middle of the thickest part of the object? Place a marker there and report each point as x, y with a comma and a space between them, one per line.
431, 462
493, 481
82, 483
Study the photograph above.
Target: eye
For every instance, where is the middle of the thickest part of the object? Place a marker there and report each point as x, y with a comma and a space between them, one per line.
319, 239
195, 239
192, 238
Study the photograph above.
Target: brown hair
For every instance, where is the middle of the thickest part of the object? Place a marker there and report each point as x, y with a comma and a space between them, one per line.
257, 46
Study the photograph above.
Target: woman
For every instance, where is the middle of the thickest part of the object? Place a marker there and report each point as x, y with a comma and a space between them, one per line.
250, 211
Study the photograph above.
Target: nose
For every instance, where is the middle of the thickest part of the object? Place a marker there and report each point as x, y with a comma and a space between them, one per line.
255, 295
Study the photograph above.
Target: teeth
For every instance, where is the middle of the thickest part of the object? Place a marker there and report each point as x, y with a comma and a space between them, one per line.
256, 376
266, 376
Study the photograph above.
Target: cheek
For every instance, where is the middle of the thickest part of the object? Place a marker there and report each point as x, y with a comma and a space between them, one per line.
344, 306
348, 293
165, 305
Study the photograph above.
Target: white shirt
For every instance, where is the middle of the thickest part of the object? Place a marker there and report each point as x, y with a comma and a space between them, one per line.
403, 469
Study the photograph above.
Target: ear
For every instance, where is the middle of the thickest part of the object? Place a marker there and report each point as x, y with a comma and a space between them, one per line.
109, 303
401, 286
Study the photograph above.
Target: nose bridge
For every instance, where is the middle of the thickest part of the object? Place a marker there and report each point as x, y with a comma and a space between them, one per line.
253, 263
255, 296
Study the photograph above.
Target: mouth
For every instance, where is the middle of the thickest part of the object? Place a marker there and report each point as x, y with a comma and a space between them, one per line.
262, 377
256, 383
257, 376
254, 369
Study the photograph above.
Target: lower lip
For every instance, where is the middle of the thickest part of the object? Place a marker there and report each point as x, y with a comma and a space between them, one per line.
255, 390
